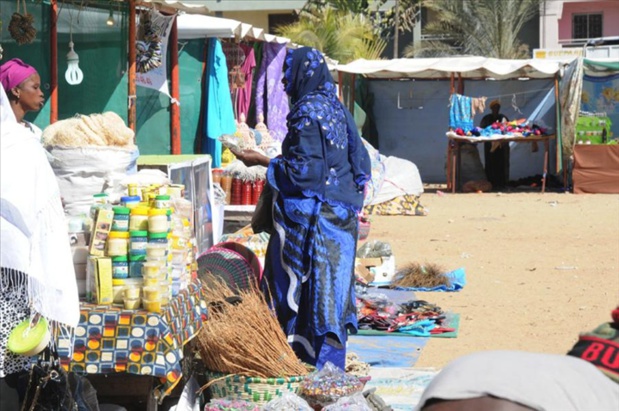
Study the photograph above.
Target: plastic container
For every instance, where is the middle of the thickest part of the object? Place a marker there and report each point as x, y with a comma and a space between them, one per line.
130, 201
132, 190
131, 303
156, 251
120, 267
100, 201
151, 281
152, 269
117, 243
158, 221
162, 201
138, 220
136, 262
151, 293
137, 242
118, 293
152, 306
121, 219
131, 291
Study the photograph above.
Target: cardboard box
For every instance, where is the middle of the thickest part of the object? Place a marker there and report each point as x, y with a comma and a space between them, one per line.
100, 232
99, 280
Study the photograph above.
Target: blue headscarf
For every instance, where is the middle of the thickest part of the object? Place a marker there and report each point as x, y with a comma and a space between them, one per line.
317, 112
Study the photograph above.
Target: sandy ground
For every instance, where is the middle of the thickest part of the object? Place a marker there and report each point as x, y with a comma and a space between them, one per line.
540, 267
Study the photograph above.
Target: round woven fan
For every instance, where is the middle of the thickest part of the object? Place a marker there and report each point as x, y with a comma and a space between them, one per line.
248, 254
228, 265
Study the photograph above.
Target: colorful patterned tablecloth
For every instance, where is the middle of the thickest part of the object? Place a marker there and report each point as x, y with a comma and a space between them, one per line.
111, 339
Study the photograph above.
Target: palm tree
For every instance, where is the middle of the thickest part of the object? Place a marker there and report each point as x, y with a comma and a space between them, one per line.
341, 35
475, 27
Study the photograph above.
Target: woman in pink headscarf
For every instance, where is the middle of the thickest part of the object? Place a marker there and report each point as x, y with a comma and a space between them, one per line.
22, 84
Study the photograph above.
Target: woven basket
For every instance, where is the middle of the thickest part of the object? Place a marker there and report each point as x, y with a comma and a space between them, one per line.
254, 389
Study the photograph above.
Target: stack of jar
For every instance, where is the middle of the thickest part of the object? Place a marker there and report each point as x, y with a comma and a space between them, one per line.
147, 254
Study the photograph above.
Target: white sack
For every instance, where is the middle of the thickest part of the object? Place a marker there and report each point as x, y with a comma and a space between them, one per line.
84, 171
401, 177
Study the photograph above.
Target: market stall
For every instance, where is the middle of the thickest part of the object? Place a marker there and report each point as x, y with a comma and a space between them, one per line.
595, 149
411, 105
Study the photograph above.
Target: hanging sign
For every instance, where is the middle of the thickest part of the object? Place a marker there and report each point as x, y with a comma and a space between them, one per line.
151, 67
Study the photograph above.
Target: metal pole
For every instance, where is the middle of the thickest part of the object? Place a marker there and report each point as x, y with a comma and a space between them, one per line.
397, 29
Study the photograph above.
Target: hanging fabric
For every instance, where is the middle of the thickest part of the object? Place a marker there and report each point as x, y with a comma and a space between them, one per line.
460, 112
270, 91
219, 115
244, 94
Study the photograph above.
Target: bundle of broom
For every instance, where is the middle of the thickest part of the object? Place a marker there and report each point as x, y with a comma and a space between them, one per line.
415, 275
242, 335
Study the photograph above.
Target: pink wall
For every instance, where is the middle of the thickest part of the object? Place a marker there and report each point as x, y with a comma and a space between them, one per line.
610, 16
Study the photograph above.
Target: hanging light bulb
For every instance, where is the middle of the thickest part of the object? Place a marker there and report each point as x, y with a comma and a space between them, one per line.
73, 74
110, 18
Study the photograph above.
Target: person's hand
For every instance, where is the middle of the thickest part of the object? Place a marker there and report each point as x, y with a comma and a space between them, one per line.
251, 158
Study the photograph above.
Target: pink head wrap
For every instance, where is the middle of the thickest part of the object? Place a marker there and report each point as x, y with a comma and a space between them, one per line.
13, 72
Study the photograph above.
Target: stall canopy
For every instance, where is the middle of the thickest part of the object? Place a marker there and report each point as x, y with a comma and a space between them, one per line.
195, 26
190, 6
407, 102
440, 68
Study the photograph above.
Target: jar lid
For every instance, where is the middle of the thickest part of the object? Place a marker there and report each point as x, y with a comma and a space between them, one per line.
121, 210
162, 197
140, 210
137, 258
158, 235
120, 259
118, 234
118, 281
138, 233
125, 199
100, 195
157, 211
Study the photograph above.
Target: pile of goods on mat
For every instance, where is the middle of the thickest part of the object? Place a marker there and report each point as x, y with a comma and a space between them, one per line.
416, 317
250, 365
516, 128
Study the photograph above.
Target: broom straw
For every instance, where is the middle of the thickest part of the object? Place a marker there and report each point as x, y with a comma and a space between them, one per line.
245, 338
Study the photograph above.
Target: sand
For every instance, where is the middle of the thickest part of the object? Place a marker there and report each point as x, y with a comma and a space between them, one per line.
540, 268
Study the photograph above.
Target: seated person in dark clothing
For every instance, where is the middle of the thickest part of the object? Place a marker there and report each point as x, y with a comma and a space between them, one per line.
497, 159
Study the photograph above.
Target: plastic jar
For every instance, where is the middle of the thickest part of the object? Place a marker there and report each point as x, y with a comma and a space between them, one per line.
100, 200
162, 201
152, 306
158, 221
137, 242
118, 290
117, 243
132, 190
131, 291
130, 201
157, 250
131, 303
136, 262
121, 219
152, 293
138, 220
152, 269
120, 267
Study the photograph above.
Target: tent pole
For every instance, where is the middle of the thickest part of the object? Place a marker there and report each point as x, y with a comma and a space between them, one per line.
131, 115
340, 82
53, 41
452, 85
352, 93
460, 84
175, 110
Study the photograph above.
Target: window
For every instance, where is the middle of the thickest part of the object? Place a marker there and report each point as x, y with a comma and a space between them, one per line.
276, 20
586, 26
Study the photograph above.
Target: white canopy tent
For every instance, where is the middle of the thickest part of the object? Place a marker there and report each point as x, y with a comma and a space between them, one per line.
441, 68
411, 103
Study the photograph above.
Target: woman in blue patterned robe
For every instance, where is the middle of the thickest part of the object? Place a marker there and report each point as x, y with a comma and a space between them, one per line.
318, 184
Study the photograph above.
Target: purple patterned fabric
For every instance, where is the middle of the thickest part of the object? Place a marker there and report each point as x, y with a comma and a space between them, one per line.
270, 91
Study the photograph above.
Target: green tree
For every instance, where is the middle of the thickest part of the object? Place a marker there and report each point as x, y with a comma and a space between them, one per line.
340, 34
475, 27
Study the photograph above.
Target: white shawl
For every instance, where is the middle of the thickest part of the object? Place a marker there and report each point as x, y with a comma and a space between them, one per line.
34, 236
